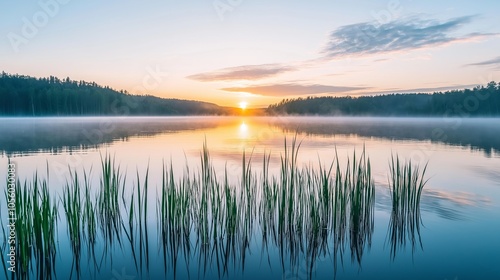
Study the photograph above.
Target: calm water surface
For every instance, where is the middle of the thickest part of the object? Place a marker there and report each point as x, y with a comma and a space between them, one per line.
460, 204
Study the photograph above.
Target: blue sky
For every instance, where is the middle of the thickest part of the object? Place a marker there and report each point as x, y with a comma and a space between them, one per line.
229, 51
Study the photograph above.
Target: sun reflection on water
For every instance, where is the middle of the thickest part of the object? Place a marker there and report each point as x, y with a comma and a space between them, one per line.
243, 130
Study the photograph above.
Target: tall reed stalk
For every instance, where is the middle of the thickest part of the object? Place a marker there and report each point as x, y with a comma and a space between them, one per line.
406, 184
108, 208
74, 209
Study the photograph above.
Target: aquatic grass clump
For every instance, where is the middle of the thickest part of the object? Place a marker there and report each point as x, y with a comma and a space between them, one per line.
176, 207
306, 207
79, 210
36, 227
304, 212
24, 230
406, 184
108, 208
362, 204
74, 208
89, 219
3, 246
137, 230
45, 214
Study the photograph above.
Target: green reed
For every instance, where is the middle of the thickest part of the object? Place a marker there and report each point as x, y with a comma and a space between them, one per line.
108, 208
300, 211
142, 213
175, 215
406, 184
74, 208
89, 218
304, 211
3, 246
362, 199
80, 213
36, 227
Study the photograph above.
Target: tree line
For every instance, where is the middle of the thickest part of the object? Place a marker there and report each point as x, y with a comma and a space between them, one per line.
478, 101
22, 95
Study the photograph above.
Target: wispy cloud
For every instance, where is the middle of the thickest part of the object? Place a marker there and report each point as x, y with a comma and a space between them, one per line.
245, 72
415, 90
292, 89
447, 205
406, 34
359, 39
437, 89
495, 62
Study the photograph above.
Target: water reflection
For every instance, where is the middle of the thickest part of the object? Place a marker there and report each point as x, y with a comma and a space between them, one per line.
57, 135
478, 134
243, 130
225, 233
453, 206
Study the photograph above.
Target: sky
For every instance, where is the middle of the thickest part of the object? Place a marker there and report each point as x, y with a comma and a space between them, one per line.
255, 51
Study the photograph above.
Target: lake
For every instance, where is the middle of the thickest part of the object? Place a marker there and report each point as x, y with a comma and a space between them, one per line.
455, 236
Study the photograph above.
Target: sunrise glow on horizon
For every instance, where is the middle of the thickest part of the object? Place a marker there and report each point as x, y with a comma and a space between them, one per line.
257, 51
243, 105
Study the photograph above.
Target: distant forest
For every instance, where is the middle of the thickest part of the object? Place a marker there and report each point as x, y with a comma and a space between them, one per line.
27, 96
479, 101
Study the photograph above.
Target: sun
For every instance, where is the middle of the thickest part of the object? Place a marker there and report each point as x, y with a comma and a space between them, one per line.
243, 105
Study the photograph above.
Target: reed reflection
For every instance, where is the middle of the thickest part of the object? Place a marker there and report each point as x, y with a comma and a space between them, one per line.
406, 185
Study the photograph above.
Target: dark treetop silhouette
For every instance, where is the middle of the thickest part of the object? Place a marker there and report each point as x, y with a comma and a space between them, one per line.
479, 101
28, 96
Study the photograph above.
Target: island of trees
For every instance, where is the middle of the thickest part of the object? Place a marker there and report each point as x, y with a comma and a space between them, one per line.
28, 96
